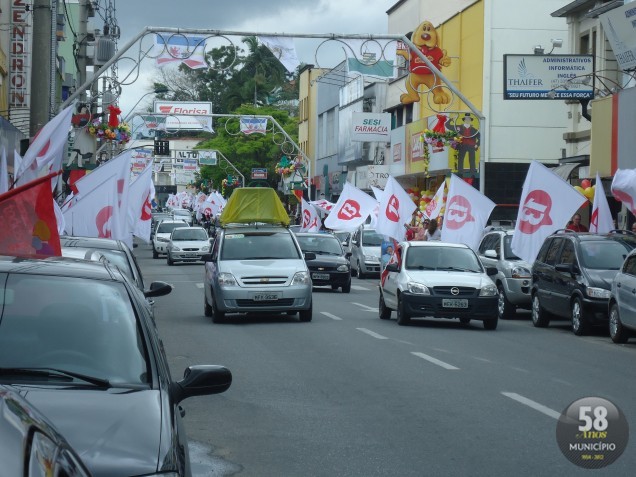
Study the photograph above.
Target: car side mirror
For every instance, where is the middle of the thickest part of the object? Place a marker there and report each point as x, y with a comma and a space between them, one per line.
201, 380
135, 245
158, 289
491, 271
310, 256
348, 255
392, 267
491, 254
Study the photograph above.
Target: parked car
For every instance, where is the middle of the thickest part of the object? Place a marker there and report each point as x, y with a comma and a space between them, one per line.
622, 302
182, 214
116, 251
31, 445
187, 244
513, 279
439, 280
572, 277
365, 247
161, 236
78, 338
331, 266
157, 217
257, 268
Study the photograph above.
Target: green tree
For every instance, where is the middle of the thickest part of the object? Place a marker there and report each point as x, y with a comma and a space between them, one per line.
246, 152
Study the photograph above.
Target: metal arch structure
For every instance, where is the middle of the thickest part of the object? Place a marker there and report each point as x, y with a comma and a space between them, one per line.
211, 33
219, 115
232, 166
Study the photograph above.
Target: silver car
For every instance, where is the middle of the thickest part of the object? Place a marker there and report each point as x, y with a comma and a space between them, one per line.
622, 302
439, 280
513, 279
364, 245
255, 269
187, 244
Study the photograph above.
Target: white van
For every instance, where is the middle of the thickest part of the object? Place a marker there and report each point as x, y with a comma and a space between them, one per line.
365, 245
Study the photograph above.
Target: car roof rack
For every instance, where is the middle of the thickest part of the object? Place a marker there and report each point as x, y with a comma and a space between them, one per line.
621, 232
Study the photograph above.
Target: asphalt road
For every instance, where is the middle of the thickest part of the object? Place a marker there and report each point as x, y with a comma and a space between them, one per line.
352, 395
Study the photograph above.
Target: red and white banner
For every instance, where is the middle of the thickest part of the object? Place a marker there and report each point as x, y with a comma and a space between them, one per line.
109, 215
283, 49
311, 220
547, 203
434, 207
624, 188
351, 210
396, 209
466, 215
601, 220
177, 48
45, 152
139, 206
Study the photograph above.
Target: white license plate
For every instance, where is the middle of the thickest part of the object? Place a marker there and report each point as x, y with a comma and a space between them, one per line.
320, 276
265, 296
454, 303
192, 255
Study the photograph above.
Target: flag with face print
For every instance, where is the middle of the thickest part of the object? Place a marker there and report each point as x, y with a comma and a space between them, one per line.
351, 210
310, 219
396, 210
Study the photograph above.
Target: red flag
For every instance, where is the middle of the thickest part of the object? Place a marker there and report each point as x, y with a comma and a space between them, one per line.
30, 227
299, 194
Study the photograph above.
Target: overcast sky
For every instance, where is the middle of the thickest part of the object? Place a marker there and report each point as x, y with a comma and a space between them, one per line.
259, 16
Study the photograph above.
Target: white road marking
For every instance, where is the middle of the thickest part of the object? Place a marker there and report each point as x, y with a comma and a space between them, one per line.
366, 307
434, 360
371, 333
534, 405
359, 288
482, 359
329, 315
199, 285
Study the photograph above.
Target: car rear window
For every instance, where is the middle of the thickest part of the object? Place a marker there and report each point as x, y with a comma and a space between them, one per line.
603, 254
325, 244
169, 227
261, 245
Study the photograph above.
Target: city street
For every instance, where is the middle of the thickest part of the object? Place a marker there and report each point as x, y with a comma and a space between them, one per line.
352, 395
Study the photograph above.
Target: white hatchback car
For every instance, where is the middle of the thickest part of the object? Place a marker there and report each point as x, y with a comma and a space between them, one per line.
439, 280
161, 237
187, 244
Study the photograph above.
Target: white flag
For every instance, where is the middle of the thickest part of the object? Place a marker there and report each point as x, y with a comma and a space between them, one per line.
466, 215
351, 210
323, 205
547, 203
59, 216
116, 174
434, 207
601, 221
45, 152
283, 49
4, 172
624, 188
396, 209
139, 208
311, 220
95, 214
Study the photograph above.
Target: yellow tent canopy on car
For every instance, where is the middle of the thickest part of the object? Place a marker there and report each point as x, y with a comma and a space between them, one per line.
249, 205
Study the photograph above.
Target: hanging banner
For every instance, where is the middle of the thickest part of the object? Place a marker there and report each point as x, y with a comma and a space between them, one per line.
367, 127
192, 115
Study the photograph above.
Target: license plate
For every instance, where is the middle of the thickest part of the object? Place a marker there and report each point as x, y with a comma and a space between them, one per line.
454, 303
265, 297
192, 255
320, 276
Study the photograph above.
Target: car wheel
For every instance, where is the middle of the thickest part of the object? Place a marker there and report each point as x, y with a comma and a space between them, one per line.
580, 325
385, 313
617, 331
217, 315
505, 309
305, 315
207, 309
491, 324
359, 270
403, 317
155, 254
540, 318
464, 320
346, 288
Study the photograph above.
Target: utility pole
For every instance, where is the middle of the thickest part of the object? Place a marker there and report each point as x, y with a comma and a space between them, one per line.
82, 39
42, 67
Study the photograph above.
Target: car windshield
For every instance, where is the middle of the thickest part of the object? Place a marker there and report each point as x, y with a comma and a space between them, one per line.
74, 325
166, 228
189, 234
442, 258
508, 253
325, 244
260, 245
603, 254
371, 239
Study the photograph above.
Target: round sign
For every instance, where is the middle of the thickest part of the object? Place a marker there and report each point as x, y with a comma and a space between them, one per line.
592, 432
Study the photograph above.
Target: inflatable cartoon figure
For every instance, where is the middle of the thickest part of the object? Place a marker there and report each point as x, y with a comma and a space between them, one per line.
425, 37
